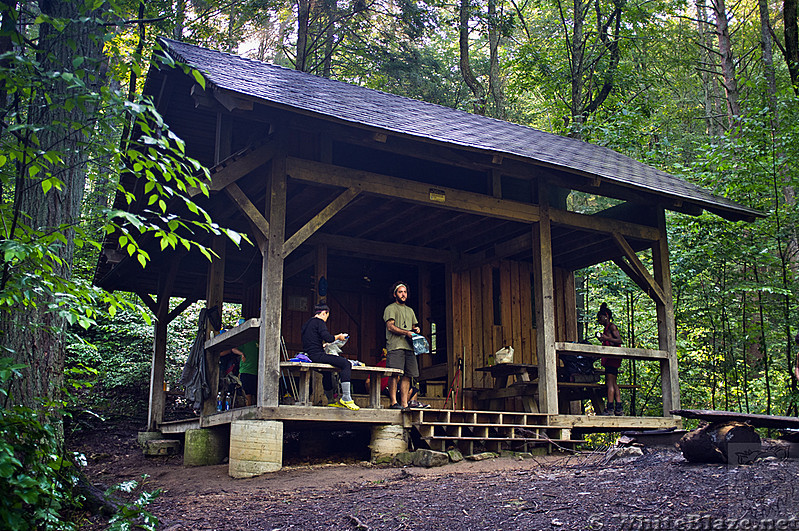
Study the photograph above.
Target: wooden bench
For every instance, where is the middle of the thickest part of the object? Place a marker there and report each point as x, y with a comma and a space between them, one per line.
359, 372
592, 391
528, 390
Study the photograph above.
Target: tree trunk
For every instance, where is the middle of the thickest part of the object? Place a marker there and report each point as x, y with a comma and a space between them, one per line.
180, 19
495, 84
303, 19
727, 63
718, 442
789, 10
35, 335
707, 69
478, 91
577, 61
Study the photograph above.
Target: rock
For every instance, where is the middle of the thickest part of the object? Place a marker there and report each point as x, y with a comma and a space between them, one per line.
482, 456
629, 452
402, 459
455, 455
144, 436
161, 447
430, 458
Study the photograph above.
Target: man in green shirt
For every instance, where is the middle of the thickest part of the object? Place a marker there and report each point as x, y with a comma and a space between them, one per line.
401, 323
248, 371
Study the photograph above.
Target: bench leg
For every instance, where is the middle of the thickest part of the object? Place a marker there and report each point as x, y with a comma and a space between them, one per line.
596, 401
305, 386
374, 391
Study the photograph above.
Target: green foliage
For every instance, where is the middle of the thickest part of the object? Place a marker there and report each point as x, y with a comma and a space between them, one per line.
133, 514
35, 477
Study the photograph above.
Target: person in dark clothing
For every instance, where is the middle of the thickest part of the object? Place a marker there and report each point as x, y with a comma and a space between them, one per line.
610, 337
314, 337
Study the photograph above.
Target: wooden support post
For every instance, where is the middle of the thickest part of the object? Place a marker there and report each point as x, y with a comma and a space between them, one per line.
545, 309
667, 335
155, 414
452, 355
320, 271
272, 288
423, 313
214, 297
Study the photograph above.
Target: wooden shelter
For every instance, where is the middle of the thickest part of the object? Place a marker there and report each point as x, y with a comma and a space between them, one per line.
345, 189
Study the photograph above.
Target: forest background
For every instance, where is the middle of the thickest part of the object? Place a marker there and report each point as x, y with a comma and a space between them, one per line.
701, 89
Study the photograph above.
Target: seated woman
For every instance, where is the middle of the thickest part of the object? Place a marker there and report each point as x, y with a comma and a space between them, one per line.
314, 336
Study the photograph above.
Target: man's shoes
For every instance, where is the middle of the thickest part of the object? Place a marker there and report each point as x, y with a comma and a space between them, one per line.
619, 410
395, 406
417, 405
607, 413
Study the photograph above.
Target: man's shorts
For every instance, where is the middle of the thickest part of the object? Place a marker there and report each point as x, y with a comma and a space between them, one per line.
612, 370
405, 360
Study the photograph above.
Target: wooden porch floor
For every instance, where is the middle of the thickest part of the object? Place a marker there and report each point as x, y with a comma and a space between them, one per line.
442, 428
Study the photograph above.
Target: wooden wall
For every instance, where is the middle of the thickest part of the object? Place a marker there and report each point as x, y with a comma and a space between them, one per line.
476, 334
355, 313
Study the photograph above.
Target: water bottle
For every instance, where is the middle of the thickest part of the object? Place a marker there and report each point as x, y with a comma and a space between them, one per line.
228, 399
219, 401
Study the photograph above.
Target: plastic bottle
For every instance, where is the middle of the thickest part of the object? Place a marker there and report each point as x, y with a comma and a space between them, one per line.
228, 399
219, 404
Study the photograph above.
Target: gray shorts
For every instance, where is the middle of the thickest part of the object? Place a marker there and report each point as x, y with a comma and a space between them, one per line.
405, 360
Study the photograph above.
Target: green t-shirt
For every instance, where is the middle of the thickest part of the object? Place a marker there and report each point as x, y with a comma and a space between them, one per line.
249, 365
403, 318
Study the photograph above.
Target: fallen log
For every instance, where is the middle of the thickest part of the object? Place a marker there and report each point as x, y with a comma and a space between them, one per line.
719, 442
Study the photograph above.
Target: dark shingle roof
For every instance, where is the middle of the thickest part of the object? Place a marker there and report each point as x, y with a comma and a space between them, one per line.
397, 114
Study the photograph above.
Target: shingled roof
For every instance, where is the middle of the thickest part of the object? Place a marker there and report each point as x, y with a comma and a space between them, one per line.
285, 88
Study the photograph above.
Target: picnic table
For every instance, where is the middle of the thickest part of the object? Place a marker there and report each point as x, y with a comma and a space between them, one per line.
303, 370
525, 386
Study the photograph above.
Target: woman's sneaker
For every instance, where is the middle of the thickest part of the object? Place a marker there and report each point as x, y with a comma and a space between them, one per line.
348, 404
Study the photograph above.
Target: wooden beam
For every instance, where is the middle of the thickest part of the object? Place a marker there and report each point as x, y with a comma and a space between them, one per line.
148, 301
224, 136
602, 351
259, 223
298, 265
237, 166
667, 334
382, 249
414, 192
214, 297
499, 251
545, 310
316, 223
633, 274
655, 290
604, 225
166, 283
272, 290
231, 101
180, 308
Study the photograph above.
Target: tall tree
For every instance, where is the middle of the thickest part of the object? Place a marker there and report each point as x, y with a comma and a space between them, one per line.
33, 333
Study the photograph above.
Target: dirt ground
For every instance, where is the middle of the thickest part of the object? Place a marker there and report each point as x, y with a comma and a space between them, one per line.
658, 490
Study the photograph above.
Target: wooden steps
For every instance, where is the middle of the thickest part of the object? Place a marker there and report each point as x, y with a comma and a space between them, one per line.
475, 431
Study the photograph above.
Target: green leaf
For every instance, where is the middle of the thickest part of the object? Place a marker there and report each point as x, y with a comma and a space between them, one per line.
198, 77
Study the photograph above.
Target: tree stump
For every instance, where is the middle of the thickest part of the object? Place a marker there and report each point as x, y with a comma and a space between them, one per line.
714, 442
